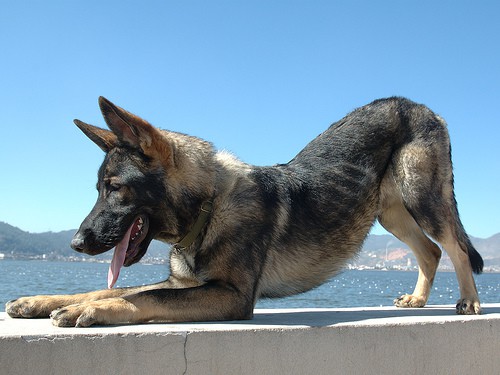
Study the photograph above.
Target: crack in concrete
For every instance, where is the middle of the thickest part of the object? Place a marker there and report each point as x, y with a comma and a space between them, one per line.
29, 339
185, 334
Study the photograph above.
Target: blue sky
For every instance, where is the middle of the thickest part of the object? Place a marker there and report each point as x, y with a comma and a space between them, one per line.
259, 78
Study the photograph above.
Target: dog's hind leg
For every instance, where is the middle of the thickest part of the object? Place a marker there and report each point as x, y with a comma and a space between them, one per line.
423, 174
465, 258
396, 219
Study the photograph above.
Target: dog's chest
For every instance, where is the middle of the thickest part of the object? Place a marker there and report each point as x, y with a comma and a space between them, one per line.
182, 264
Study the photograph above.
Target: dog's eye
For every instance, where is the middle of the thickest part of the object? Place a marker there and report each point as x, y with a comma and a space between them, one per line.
113, 187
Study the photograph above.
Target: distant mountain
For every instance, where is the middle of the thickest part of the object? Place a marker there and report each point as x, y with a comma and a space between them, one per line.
378, 250
17, 243
489, 248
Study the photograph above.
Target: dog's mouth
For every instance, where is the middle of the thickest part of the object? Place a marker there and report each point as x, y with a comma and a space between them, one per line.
128, 250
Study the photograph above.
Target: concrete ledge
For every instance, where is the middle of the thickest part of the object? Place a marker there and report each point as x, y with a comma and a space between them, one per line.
432, 340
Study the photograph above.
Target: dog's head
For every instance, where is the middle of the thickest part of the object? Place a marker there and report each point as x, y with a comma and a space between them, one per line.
144, 191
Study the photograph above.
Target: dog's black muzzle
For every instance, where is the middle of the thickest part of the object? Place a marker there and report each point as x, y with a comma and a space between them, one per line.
85, 243
78, 243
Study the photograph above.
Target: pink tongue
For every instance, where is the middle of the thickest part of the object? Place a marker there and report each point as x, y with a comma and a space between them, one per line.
118, 258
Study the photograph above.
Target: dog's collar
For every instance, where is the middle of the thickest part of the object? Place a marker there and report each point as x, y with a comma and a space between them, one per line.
205, 211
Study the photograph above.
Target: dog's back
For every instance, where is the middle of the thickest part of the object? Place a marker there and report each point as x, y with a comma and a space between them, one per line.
388, 160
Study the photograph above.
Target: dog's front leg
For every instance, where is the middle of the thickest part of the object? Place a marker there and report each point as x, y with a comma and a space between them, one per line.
209, 302
41, 306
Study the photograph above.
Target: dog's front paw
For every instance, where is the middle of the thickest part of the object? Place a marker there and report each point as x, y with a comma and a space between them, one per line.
79, 315
467, 306
30, 307
102, 312
409, 300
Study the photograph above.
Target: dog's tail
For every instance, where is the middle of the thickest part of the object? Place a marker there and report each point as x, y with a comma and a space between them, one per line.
475, 259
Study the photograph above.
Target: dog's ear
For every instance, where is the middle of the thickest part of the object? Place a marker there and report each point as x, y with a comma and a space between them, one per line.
105, 139
130, 129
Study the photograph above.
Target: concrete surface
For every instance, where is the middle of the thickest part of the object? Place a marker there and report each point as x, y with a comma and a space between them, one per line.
386, 340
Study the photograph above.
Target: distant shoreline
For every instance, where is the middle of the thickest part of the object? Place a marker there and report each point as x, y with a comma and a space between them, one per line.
159, 261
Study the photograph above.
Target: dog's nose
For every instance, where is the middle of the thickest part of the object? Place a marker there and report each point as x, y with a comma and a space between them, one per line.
78, 243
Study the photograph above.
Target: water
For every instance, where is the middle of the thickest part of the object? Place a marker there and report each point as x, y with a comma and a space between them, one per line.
349, 289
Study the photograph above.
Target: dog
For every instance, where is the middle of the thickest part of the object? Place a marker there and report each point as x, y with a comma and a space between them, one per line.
242, 232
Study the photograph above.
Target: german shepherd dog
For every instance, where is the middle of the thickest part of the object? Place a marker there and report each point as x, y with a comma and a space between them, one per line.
242, 232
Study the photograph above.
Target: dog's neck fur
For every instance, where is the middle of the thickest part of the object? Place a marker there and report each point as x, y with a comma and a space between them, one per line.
201, 222
193, 161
